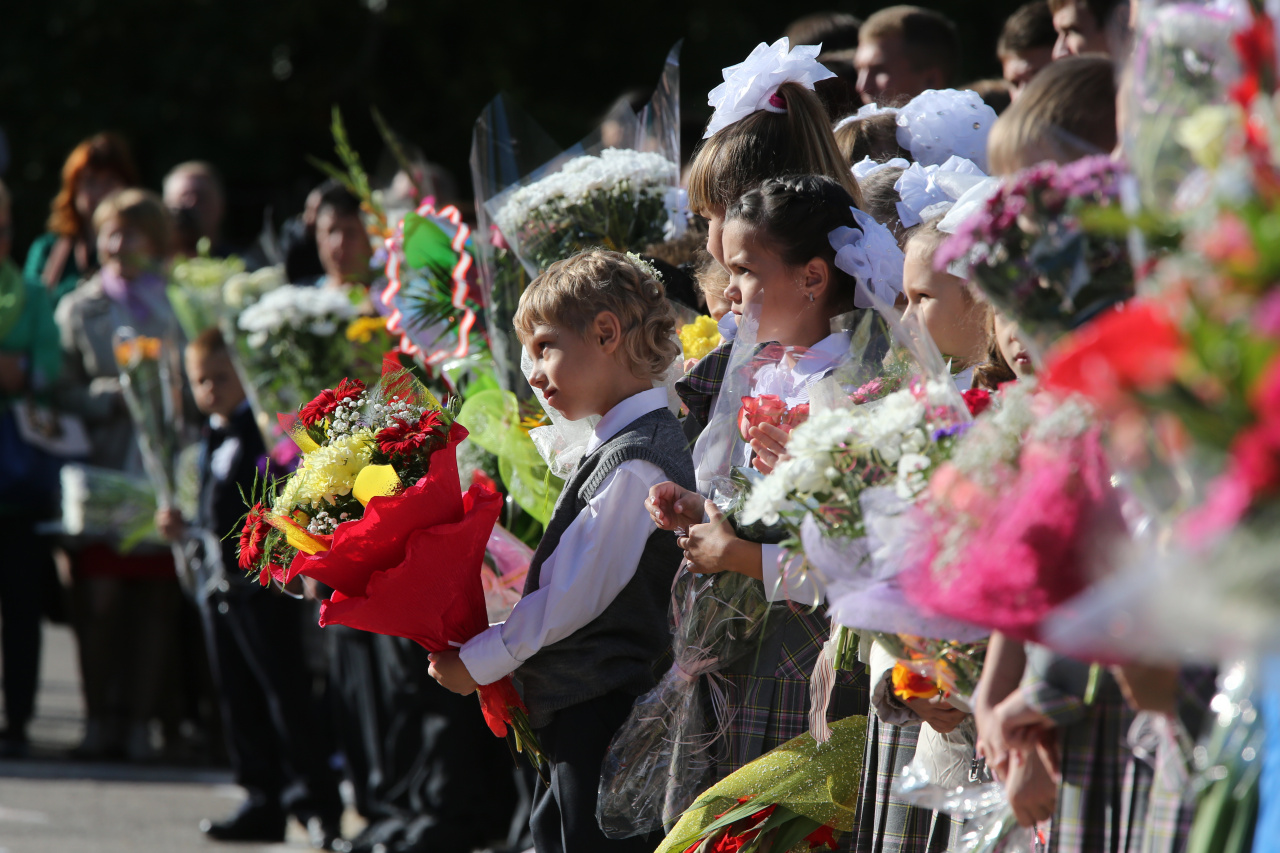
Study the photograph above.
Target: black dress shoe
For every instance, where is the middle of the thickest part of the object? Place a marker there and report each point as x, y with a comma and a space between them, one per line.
248, 824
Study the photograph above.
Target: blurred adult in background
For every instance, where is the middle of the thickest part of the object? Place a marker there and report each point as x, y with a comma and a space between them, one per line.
65, 254
903, 50
837, 32
298, 240
29, 363
125, 604
341, 238
1088, 26
194, 194
1026, 44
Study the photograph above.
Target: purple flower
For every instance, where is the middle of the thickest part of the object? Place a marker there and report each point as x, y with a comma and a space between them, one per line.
952, 431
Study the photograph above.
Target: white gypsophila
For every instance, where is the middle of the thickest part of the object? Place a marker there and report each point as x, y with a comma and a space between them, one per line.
912, 475
1068, 420
644, 172
293, 306
806, 470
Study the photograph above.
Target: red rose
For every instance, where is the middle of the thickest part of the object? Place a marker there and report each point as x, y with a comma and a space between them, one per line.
326, 402
765, 409
796, 415
978, 400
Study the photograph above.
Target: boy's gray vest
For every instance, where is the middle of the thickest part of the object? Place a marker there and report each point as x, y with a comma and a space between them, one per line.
618, 649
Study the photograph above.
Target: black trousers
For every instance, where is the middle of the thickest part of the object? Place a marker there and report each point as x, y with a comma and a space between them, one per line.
564, 812
271, 716
21, 589
428, 774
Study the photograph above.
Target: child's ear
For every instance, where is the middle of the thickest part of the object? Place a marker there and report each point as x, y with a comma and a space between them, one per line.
817, 280
608, 331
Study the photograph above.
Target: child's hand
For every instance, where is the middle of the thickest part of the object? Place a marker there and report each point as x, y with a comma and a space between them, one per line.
170, 524
674, 507
937, 713
1020, 724
713, 547
1032, 791
448, 669
770, 444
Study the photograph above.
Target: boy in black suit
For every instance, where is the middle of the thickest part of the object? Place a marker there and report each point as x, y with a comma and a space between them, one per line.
254, 636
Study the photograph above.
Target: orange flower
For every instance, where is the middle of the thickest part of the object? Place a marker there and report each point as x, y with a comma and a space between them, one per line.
137, 349
909, 684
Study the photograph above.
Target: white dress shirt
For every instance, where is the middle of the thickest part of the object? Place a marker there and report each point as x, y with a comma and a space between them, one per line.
596, 558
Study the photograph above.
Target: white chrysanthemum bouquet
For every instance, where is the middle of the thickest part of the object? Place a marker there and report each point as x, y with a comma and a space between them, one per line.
616, 200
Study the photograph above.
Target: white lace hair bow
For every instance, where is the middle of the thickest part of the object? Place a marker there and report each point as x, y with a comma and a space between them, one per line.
864, 112
867, 167
941, 123
870, 253
750, 85
928, 192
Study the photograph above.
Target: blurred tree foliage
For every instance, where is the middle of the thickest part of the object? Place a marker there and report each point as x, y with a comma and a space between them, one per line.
248, 84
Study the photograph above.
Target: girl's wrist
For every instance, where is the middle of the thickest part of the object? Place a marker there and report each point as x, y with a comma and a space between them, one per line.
746, 558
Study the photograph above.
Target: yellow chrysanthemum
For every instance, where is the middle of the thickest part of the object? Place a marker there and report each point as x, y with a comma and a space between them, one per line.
699, 337
330, 471
362, 329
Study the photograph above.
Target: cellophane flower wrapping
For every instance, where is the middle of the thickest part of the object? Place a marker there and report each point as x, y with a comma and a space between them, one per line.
804, 780
195, 291
295, 338
663, 755
106, 505
1060, 274
1020, 519
154, 389
619, 204
501, 424
375, 511
1206, 386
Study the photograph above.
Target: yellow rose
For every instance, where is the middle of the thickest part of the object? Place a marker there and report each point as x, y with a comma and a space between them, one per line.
699, 337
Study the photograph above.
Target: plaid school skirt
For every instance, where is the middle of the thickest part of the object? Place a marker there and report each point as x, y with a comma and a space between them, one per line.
768, 690
886, 824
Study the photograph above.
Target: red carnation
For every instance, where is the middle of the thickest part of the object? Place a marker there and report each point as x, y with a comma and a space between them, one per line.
326, 402
978, 400
252, 535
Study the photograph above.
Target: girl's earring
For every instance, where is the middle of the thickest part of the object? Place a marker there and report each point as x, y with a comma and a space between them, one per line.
810, 297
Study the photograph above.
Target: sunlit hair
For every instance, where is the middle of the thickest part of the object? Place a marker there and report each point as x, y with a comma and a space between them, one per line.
1067, 111
880, 199
208, 344
766, 145
103, 152
1028, 28
875, 137
573, 292
929, 37
994, 371
140, 209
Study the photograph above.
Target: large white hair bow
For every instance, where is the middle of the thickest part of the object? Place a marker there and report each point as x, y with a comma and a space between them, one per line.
870, 253
867, 167
941, 123
865, 111
928, 192
749, 85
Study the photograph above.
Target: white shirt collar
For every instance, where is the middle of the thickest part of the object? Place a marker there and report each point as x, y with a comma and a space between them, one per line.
824, 354
635, 406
